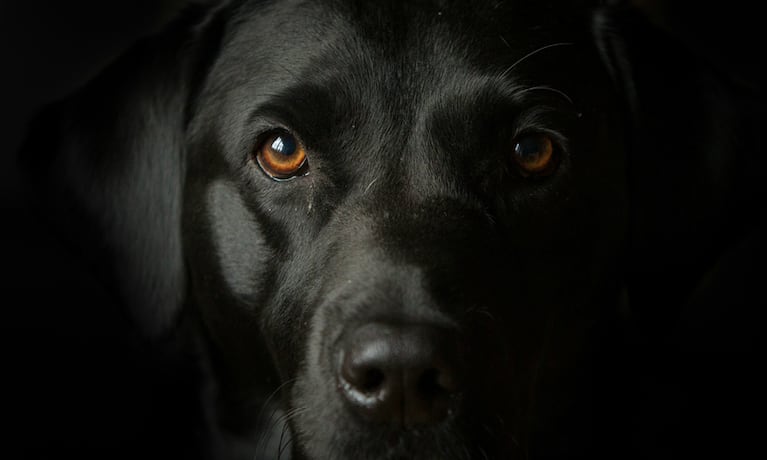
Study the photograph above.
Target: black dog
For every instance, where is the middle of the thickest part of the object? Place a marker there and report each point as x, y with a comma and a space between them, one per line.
383, 230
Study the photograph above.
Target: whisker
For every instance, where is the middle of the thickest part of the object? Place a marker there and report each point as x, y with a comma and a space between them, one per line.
288, 443
370, 184
547, 88
288, 416
272, 395
479, 311
284, 444
532, 53
489, 430
262, 443
505, 42
466, 453
280, 448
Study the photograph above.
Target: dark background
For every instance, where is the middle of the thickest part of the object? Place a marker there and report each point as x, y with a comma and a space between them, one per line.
73, 383
48, 49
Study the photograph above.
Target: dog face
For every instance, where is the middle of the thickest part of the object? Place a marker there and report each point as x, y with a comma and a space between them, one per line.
412, 212
388, 230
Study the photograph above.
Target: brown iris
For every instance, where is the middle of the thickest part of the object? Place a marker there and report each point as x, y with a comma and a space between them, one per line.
281, 156
534, 154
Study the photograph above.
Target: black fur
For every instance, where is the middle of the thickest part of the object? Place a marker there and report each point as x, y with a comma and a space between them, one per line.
411, 212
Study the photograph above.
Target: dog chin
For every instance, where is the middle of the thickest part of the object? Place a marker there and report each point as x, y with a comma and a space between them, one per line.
347, 437
379, 443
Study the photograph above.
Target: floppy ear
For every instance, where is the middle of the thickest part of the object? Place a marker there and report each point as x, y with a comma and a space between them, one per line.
694, 266
105, 166
693, 166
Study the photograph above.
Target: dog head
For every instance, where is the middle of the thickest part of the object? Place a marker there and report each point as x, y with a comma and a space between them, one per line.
403, 223
418, 222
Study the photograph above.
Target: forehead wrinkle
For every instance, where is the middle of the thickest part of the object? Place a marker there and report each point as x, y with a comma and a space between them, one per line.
451, 83
401, 81
400, 88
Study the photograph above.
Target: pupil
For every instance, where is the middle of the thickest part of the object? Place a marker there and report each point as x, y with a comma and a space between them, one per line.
529, 148
284, 145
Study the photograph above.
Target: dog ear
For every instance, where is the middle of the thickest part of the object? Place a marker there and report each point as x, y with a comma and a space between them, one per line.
105, 166
696, 232
692, 161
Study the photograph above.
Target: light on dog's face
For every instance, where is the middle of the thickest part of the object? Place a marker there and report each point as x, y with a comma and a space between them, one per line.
281, 156
413, 253
534, 154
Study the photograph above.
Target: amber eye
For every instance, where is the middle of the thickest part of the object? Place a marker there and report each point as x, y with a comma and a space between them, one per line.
534, 154
281, 156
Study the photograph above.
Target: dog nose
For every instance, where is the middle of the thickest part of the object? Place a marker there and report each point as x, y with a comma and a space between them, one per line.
400, 374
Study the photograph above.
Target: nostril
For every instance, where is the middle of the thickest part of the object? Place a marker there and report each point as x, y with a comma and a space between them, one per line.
439, 381
372, 380
429, 385
365, 380
360, 374
406, 375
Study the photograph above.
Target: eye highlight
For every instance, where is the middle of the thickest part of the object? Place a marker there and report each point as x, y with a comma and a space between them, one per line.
281, 156
535, 154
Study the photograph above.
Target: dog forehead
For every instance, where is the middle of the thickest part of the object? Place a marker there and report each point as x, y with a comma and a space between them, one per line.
380, 53
295, 32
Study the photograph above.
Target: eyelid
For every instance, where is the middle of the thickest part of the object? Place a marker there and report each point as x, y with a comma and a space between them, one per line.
266, 120
536, 116
537, 120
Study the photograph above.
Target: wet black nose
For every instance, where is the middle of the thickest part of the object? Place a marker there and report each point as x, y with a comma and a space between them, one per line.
400, 374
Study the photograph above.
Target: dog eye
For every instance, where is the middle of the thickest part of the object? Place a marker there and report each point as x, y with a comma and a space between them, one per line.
281, 156
534, 154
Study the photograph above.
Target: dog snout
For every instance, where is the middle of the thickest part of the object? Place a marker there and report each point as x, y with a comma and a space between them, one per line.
401, 375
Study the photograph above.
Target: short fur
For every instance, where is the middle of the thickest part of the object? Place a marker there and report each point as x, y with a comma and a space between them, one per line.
412, 212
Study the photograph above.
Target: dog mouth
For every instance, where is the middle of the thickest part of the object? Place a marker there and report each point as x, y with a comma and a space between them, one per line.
392, 367
451, 440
